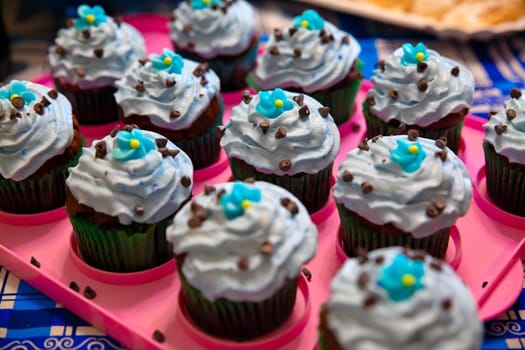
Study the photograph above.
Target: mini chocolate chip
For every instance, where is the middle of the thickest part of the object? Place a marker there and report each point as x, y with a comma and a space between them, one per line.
432, 211
299, 99
440, 204
370, 100
161, 142
347, 176
376, 138
297, 52
39, 108
86, 34
325, 39
60, 50
421, 67
280, 133
436, 265
440, 144
214, 7
35, 262
115, 131
491, 113
292, 207
201, 213
185, 181
356, 127
194, 222
44, 101
90, 293
158, 336
322, 33
274, 51
208, 189
500, 129
417, 255
441, 154
304, 111
292, 31
307, 273
285, 201
143, 61
363, 279
139, 210
18, 102
264, 126
422, 85
363, 145
393, 94
370, 300
285, 164
366, 187
324, 111
446, 304
413, 134
170, 83
129, 127
511, 114
74, 286
249, 180
243, 263
100, 149
98, 52
53, 94
174, 114
246, 97
140, 87
346, 40
198, 72
278, 34
515, 93
266, 248
362, 255
380, 64
187, 29
455, 71
204, 81
15, 114
379, 259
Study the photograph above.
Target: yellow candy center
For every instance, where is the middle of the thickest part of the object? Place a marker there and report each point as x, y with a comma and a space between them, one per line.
246, 204
412, 149
206, 1
90, 19
134, 143
279, 103
408, 280
13, 96
167, 61
420, 56
304, 23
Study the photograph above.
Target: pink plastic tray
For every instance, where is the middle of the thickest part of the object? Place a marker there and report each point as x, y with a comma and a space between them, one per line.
132, 307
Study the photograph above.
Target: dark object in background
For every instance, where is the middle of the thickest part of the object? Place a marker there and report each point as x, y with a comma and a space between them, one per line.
4, 48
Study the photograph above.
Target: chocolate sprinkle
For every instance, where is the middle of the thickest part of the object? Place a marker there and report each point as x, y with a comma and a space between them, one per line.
297, 52
166, 152
307, 274
515, 93
278, 34
74, 286
115, 131
413, 134
140, 87
44, 101
441, 154
170, 83
436, 265
285, 164
363, 279
158, 336
194, 222
15, 114
208, 189
379, 260
292, 207
98, 52
370, 100
292, 31
370, 301
393, 94
455, 71
500, 129
18, 102
246, 97
274, 51
324, 111
511, 114
347, 176
346, 40
243, 263
280, 133
299, 99
422, 85
161, 142
143, 61
174, 114
86, 34
363, 145
187, 29
285, 201
90, 293
446, 304
60, 50
432, 211
421, 67
53, 94
264, 126
304, 111
139, 210
39, 108
35, 262
101, 149
266, 248
380, 64
185, 181
366, 187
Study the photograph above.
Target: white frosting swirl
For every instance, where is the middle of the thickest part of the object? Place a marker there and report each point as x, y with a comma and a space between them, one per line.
445, 93
214, 32
511, 143
212, 251
419, 322
401, 198
121, 45
311, 143
319, 66
187, 96
26, 143
115, 187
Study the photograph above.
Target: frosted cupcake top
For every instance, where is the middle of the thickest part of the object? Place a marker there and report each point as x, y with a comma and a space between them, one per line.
312, 55
505, 129
36, 125
401, 300
135, 175
212, 28
95, 50
171, 90
241, 241
281, 133
417, 86
416, 184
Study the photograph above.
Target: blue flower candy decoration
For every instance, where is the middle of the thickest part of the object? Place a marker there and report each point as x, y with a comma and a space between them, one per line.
413, 55
408, 154
203, 4
273, 103
89, 17
310, 20
239, 199
17, 89
169, 62
402, 278
132, 145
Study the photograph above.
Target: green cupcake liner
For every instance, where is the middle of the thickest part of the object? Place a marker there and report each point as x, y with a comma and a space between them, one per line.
505, 181
238, 320
91, 106
375, 126
130, 248
203, 149
36, 193
356, 234
313, 190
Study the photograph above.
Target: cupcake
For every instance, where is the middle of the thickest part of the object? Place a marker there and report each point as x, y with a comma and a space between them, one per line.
239, 249
504, 148
288, 139
312, 57
221, 33
177, 98
401, 190
121, 197
39, 141
416, 88
398, 299
88, 57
